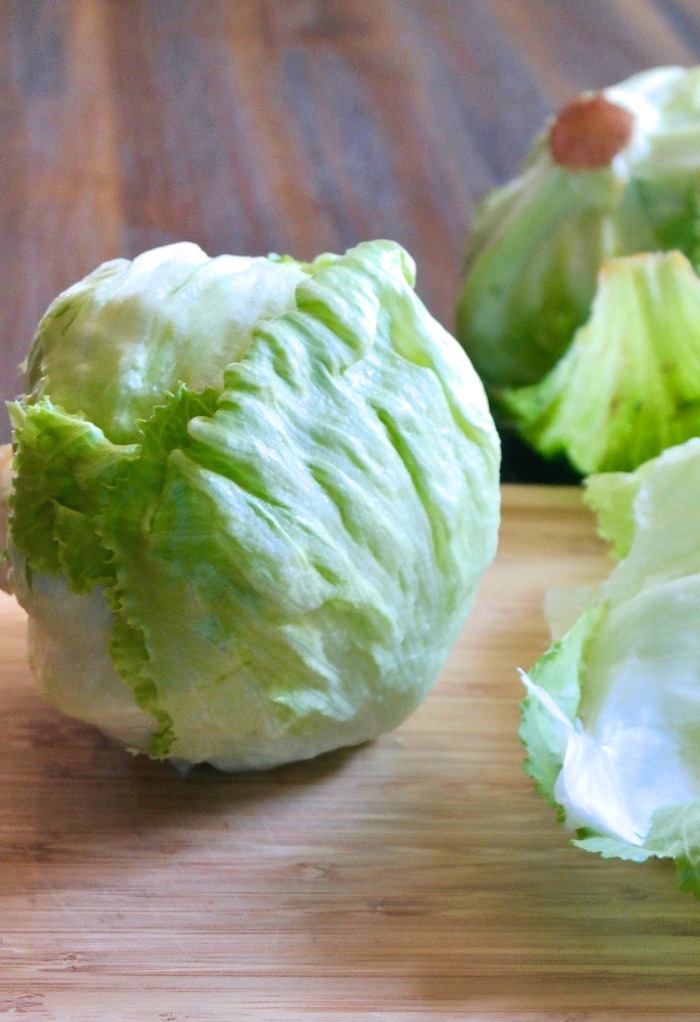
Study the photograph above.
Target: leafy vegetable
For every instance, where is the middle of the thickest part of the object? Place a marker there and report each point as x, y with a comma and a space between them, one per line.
5, 490
612, 717
586, 337
252, 501
629, 385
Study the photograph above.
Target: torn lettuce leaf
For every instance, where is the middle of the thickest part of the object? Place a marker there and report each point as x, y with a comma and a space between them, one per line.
611, 721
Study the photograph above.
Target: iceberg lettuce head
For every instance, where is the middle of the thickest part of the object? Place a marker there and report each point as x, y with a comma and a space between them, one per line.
580, 299
251, 501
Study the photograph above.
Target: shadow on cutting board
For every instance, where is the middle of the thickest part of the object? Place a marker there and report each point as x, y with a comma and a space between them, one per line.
71, 795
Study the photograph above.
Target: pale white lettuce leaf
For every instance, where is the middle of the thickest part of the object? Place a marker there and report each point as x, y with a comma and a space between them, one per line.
112, 344
612, 717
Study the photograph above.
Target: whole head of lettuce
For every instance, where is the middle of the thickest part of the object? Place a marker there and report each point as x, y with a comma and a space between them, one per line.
580, 303
611, 721
251, 501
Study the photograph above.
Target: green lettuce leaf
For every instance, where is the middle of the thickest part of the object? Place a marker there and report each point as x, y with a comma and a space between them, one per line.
611, 721
5, 491
629, 384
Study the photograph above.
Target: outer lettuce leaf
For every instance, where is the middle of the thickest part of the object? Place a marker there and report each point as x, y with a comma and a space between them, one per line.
62, 463
111, 345
287, 558
674, 834
69, 638
531, 268
557, 673
612, 717
629, 385
612, 497
663, 546
611, 848
67, 473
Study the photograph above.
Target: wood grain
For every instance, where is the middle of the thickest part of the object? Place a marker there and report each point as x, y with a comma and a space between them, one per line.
282, 125
419, 877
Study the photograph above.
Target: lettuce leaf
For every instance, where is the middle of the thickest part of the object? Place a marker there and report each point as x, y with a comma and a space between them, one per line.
611, 721
629, 384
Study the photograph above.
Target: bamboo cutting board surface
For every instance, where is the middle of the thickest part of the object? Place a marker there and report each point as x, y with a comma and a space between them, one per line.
418, 877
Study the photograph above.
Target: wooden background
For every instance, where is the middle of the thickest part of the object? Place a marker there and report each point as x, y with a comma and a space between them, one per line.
295, 126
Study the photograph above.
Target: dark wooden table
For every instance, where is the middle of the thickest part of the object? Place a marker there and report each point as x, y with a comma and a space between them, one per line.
295, 126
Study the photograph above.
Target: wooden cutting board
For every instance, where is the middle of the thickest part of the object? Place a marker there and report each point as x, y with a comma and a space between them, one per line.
419, 877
